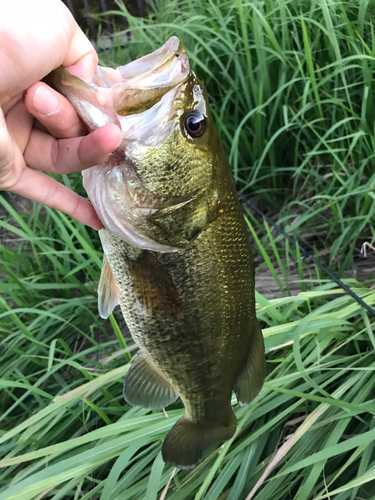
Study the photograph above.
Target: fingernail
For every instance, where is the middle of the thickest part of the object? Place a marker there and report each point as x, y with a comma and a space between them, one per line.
45, 103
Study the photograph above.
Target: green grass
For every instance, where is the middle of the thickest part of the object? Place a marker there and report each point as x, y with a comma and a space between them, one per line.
287, 81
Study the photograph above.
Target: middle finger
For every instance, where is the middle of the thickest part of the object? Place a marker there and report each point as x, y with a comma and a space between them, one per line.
64, 156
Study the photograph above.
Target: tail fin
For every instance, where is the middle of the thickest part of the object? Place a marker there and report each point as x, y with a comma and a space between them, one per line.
186, 441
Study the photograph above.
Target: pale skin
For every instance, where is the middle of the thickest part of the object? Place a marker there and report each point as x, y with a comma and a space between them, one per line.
39, 129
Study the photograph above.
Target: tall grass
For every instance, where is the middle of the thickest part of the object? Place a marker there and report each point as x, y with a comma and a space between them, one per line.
287, 81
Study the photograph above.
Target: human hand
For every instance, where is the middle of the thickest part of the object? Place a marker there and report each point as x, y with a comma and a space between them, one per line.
42, 131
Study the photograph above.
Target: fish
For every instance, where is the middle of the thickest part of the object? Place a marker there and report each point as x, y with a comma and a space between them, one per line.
177, 256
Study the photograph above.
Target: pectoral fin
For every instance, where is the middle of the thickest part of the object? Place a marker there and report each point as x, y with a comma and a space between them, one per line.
250, 379
108, 297
153, 285
145, 386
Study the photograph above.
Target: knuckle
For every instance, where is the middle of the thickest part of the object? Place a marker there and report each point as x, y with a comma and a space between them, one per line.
8, 177
94, 58
65, 156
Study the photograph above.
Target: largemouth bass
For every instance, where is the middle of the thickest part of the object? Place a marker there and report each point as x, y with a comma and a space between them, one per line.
177, 253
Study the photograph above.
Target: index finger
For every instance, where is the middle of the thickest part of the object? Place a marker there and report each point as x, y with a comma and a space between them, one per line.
44, 189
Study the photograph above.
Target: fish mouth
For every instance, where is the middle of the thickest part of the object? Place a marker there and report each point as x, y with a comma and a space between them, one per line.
142, 94
144, 100
140, 84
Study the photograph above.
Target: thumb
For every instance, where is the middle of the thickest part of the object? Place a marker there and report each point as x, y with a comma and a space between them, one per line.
80, 58
7, 154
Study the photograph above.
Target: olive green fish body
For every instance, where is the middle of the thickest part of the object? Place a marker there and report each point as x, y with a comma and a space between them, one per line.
177, 254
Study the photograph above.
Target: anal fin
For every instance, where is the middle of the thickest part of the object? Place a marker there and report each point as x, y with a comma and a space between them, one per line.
250, 379
145, 386
108, 297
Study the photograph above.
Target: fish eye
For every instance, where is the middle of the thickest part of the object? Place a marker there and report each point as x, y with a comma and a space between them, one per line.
195, 123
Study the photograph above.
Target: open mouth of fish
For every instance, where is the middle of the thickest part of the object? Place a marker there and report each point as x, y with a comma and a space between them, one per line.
140, 98
136, 97
140, 84
142, 93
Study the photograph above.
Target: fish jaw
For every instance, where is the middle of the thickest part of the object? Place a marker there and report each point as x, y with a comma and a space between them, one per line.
110, 186
139, 98
158, 69
139, 85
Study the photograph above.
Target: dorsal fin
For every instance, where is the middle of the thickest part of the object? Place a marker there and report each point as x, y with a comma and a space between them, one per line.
108, 297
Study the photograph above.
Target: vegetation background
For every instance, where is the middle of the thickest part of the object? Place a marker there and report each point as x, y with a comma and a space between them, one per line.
292, 90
